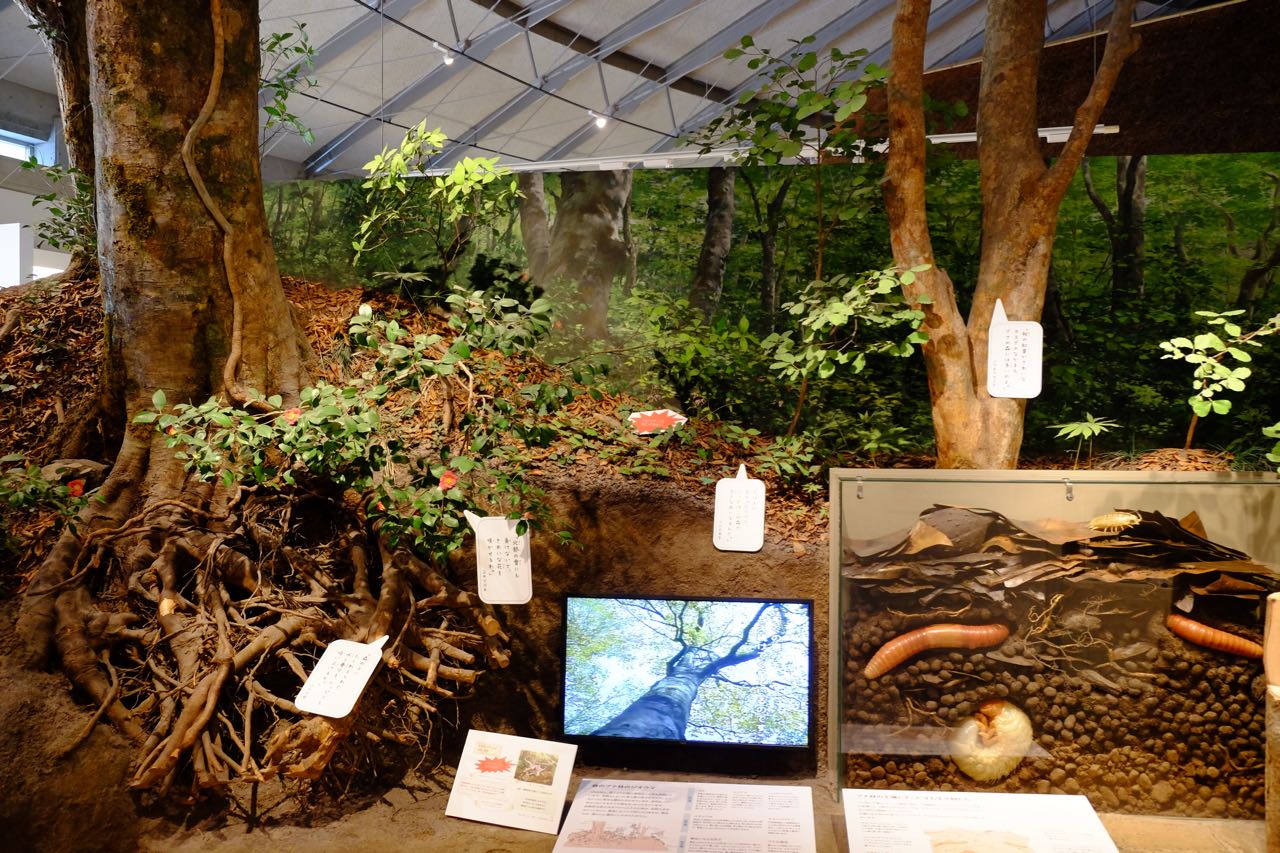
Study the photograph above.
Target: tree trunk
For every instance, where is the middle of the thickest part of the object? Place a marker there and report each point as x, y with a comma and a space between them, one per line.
1257, 279
207, 571
1126, 229
1021, 199
587, 246
61, 24
768, 221
534, 225
717, 239
193, 296
662, 712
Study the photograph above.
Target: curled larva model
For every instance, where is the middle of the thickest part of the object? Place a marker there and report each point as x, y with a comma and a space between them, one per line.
992, 742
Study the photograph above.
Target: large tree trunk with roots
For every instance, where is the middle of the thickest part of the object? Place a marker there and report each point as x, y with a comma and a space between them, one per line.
587, 244
189, 611
1021, 198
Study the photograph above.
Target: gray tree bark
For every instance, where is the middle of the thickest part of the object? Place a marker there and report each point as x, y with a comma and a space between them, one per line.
587, 244
717, 239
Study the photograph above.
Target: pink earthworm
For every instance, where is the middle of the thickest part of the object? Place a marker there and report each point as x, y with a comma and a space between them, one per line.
941, 636
1212, 638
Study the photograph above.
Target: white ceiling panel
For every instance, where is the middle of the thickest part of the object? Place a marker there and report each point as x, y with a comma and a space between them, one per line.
526, 72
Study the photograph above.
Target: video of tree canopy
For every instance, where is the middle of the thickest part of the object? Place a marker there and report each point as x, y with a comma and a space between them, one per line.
715, 671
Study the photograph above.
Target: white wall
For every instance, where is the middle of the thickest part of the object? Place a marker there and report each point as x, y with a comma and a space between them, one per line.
15, 253
18, 252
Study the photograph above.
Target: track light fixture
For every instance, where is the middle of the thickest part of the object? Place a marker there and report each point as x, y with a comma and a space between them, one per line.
601, 121
444, 51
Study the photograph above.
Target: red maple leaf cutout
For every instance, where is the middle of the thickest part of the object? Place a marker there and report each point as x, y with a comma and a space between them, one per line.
647, 423
493, 765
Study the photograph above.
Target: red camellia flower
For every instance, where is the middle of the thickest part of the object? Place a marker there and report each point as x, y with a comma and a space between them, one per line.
291, 415
448, 480
75, 488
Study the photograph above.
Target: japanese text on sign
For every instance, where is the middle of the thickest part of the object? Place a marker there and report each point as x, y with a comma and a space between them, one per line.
1014, 355
739, 513
504, 568
339, 677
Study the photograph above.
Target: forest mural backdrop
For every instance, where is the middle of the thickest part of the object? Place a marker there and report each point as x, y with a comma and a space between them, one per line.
1143, 243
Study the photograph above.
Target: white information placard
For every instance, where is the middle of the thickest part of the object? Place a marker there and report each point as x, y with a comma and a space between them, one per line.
739, 513
512, 781
1015, 352
504, 567
907, 821
339, 678
608, 815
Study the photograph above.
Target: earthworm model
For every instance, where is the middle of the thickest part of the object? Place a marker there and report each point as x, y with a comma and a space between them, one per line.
1212, 638
941, 636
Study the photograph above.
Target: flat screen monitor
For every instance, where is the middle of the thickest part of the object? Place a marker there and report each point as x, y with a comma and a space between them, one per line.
715, 685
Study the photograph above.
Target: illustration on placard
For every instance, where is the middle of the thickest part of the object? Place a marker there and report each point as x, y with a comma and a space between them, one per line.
538, 768
601, 836
655, 421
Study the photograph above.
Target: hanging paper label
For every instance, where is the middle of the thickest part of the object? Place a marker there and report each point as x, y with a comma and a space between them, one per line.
1014, 355
739, 515
339, 677
503, 565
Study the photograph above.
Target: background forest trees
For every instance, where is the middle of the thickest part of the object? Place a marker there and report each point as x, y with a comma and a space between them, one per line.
1209, 232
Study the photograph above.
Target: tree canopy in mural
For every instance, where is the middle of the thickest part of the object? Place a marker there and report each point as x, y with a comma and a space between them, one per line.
724, 671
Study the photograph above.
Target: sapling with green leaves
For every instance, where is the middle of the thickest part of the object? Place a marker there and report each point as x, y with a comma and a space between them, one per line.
806, 106
1273, 431
1220, 361
1087, 429
404, 204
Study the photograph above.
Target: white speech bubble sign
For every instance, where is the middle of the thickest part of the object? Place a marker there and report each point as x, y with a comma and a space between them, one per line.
504, 567
739, 513
340, 677
1014, 356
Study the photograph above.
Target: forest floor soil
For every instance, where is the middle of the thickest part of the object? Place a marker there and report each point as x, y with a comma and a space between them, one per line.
68, 795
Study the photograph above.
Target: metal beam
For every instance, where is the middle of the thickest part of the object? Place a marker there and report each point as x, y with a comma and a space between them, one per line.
1086, 20
479, 49
652, 18
707, 52
343, 40
937, 20
849, 21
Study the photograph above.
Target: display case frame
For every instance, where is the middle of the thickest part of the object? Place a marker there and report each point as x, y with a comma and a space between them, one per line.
1241, 510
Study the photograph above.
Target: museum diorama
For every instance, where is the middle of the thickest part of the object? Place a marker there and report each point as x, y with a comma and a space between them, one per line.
595, 425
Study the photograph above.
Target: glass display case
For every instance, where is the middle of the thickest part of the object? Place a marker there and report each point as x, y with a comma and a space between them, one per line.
1075, 632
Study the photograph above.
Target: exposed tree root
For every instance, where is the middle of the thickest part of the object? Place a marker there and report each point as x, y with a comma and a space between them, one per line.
192, 615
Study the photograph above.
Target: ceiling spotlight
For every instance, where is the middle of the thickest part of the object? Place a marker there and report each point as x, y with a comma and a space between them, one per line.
444, 51
601, 121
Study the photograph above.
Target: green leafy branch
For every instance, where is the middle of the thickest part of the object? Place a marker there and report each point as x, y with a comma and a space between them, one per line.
838, 318
367, 436
401, 201
72, 225
292, 50
1219, 364
805, 98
